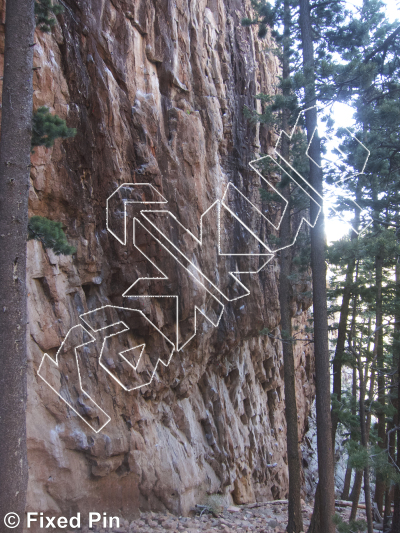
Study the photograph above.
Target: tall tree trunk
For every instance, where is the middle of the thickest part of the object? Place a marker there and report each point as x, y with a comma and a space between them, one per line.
391, 435
342, 330
295, 519
371, 379
388, 508
396, 345
396, 495
347, 482
15, 148
347, 479
321, 347
356, 490
380, 485
355, 493
364, 443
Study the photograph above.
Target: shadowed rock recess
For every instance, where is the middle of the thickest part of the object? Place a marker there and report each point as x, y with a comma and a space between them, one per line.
156, 90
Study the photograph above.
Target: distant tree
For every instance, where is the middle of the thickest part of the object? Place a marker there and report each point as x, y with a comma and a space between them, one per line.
396, 345
322, 368
280, 111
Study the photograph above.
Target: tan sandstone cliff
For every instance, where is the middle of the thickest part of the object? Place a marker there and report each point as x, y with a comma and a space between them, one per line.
156, 90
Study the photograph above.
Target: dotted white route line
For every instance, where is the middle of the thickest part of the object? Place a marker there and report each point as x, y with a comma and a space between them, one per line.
338, 214
159, 360
255, 207
46, 357
218, 203
165, 277
340, 152
303, 219
142, 346
200, 242
126, 201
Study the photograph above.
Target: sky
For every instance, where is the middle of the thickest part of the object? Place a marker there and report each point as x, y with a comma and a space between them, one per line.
336, 228
343, 116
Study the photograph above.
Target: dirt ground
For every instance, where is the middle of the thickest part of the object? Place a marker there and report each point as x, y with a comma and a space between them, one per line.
268, 518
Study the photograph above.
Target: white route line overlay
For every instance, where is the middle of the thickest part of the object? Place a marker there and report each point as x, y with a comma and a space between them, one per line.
142, 346
200, 242
129, 349
125, 295
47, 357
339, 215
126, 201
162, 200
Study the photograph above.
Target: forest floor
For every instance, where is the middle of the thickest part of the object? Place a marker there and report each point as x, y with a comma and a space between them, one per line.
269, 518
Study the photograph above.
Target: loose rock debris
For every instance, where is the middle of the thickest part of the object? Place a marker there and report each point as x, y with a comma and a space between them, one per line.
268, 517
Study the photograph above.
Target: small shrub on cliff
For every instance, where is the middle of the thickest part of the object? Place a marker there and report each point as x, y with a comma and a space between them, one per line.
51, 235
46, 128
43, 11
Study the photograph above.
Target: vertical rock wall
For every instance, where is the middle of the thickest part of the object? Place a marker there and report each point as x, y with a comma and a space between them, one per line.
156, 90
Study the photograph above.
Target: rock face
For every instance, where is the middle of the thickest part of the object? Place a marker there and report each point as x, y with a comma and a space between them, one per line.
156, 90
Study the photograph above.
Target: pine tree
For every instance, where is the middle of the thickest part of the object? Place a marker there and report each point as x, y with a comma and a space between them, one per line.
44, 9
396, 348
15, 146
46, 128
18, 134
50, 234
295, 519
321, 347
375, 86
280, 111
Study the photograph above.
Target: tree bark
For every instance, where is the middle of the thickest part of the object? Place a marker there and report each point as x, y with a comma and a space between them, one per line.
380, 485
295, 518
364, 443
347, 481
344, 314
388, 508
391, 435
396, 346
355, 493
15, 148
342, 331
321, 347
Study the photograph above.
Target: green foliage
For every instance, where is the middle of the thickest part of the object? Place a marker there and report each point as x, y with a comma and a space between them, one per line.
51, 235
46, 128
44, 9
302, 253
356, 62
346, 409
384, 469
354, 526
265, 17
358, 455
